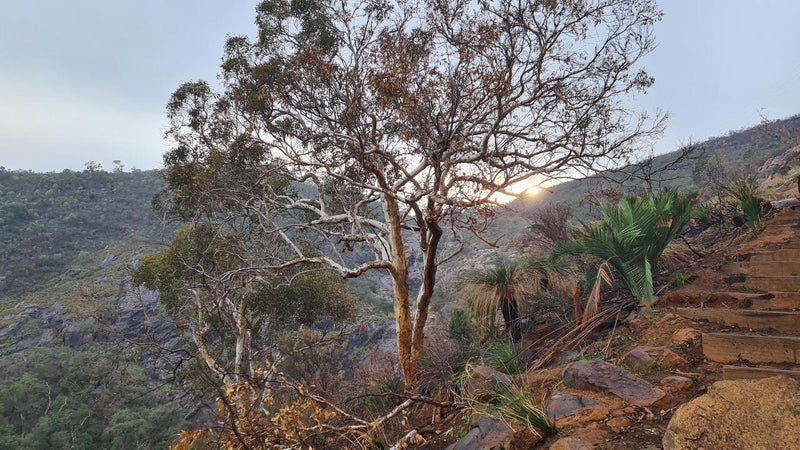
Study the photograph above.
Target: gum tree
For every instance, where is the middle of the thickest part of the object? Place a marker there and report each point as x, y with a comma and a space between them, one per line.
398, 122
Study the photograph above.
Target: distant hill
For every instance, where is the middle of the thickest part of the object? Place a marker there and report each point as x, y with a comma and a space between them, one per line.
48, 220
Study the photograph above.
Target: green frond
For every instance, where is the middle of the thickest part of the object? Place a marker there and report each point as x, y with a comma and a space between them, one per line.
633, 235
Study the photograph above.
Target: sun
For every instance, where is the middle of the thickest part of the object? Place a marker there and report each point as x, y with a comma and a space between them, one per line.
527, 188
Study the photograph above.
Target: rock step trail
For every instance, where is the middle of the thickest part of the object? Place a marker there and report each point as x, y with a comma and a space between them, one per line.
777, 283
772, 311
735, 347
780, 321
754, 373
783, 255
764, 268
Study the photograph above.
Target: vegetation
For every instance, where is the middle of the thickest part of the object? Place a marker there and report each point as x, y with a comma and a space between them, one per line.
57, 397
207, 283
498, 286
398, 137
633, 235
745, 192
47, 220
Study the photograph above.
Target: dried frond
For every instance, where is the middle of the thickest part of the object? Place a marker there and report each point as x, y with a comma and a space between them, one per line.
604, 277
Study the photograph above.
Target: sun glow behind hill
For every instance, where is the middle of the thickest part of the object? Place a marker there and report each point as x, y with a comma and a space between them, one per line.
528, 188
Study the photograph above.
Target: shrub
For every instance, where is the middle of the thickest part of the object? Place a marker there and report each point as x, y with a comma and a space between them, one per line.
498, 286
501, 354
745, 192
633, 235
550, 222
459, 326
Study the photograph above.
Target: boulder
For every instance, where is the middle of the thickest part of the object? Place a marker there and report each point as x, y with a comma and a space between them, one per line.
605, 377
741, 414
594, 413
79, 332
483, 378
685, 335
562, 405
486, 434
108, 260
618, 423
647, 356
594, 436
677, 384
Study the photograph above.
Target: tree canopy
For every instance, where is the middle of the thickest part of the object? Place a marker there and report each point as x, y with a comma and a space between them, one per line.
381, 125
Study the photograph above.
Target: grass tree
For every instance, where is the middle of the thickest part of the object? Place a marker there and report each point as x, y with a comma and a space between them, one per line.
499, 285
633, 235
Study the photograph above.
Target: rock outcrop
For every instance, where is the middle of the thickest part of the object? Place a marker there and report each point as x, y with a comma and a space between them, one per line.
562, 405
602, 376
742, 414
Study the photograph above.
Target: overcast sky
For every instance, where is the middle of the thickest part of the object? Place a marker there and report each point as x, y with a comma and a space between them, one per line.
88, 80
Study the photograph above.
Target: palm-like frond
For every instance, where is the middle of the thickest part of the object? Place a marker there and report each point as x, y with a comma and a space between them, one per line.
632, 236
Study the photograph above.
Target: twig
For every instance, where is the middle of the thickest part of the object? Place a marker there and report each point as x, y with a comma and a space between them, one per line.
613, 330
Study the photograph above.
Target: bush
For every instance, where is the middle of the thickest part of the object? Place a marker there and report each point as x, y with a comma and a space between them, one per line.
459, 326
501, 354
745, 192
633, 235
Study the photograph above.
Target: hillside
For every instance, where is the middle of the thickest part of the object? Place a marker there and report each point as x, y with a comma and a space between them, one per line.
76, 337
744, 151
72, 376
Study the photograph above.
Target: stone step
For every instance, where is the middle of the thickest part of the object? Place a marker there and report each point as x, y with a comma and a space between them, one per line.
732, 347
786, 284
759, 301
787, 255
754, 373
776, 301
781, 321
764, 268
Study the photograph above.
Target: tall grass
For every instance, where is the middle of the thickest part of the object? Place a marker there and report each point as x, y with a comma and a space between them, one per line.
746, 193
501, 354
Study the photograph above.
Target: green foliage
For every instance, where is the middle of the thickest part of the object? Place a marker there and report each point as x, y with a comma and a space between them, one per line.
459, 326
596, 354
510, 403
309, 296
173, 272
503, 282
58, 397
681, 279
683, 347
284, 305
501, 354
633, 235
47, 220
745, 192
520, 406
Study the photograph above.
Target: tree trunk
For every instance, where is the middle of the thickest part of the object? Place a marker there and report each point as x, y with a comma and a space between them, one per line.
240, 321
426, 290
510, 310
402, 309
